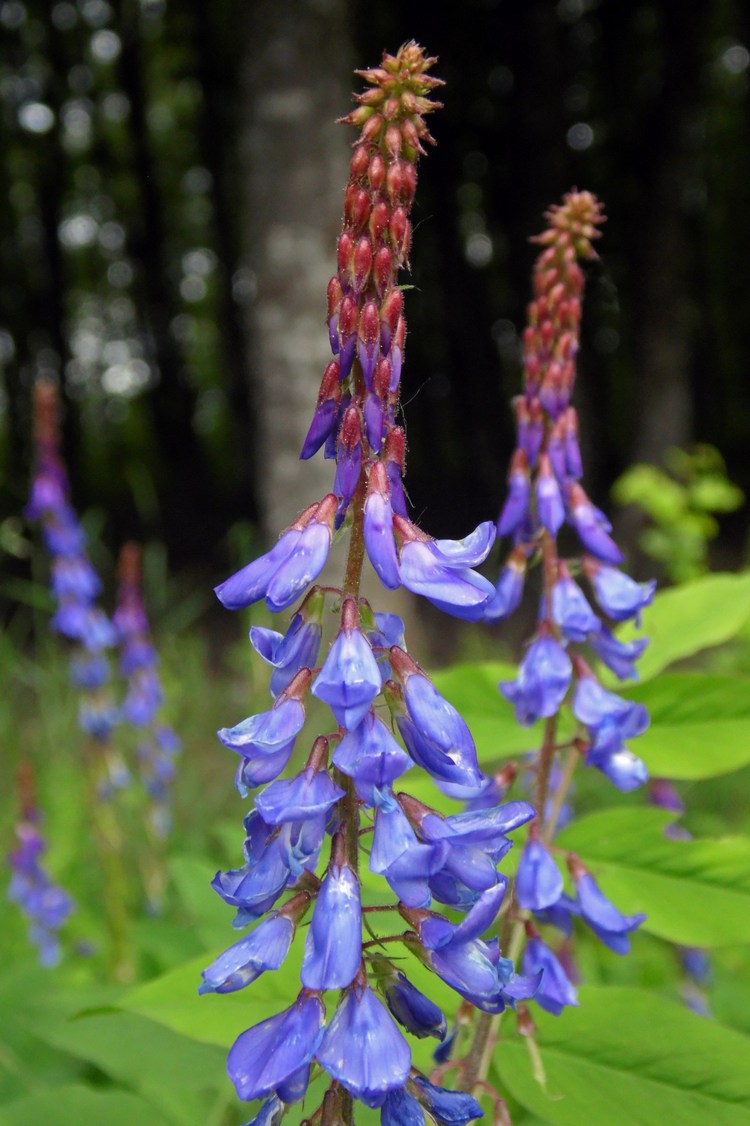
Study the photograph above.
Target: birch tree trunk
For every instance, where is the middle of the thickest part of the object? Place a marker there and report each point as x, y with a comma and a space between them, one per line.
297, 82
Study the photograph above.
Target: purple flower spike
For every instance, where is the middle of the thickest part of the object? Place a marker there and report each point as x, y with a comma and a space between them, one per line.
549, 504
378, 528
372, 757
350, 678
608, 924
265, 1056
539, 883
440, 570
592, 527
570, 610
618, 656
619, 596
448, 1108
556, 990
542, 681
333, 947
516, 507
436, 736
363, 1049
264, 949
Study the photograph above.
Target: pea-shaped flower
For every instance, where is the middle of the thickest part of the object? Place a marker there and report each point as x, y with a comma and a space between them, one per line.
350, 678
543, 679
363, 1048
268, 1054
284, 572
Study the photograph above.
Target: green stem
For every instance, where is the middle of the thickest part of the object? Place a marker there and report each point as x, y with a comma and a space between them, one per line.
571, 762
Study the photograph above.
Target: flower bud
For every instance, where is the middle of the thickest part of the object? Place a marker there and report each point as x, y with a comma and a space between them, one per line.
376, 172
379, 220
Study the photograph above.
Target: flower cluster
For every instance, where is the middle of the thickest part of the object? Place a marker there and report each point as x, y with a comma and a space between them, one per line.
158, 744
305, 834
75, 584
545, 503
544, 495
45, 905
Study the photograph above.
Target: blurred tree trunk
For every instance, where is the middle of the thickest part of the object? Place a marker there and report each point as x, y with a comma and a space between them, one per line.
297, 80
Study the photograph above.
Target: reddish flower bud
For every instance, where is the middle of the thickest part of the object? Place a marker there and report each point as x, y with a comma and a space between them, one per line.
410, 183
546, 334
361, 264
381, 380
411, 136
369, 340
393, 141
391, 108
378, 220
382, 269
399, 335
357, 206
348, 316
360, 161
395, 446
372, 97
334, 294
395, 182
330, 385
399, 229
344, 253
376, 172
391, 308
369, 323
372, 128
351, 428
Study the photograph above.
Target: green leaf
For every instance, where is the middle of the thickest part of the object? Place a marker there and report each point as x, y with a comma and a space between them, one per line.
182, 1078
73, 1104
173, 1000
694, 892
700, 725
630, 1058
689, 618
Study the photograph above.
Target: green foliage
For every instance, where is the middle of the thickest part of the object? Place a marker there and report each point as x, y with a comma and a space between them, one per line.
76, 1048
694, 892
628, 1057
680, 503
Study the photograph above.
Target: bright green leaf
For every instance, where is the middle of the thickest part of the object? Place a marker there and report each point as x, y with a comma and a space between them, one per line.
692, 617
630, 1058
693, 892
700, 725
181, 1077
73, 1105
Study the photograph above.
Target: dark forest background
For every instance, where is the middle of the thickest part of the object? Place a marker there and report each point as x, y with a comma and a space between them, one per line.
172, 182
